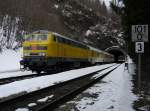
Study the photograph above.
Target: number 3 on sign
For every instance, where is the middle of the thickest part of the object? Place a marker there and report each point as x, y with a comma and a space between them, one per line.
139, 47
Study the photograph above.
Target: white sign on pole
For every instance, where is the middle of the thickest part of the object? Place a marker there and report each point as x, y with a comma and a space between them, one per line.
139, 33
139, 47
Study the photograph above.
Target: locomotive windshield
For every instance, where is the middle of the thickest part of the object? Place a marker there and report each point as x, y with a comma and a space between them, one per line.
36, 37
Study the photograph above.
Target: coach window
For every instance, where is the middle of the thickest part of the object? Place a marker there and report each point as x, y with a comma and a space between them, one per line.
55, 38
78, 45
71, 43
74, 43
67, 42
59, 40
63, 40
82, 46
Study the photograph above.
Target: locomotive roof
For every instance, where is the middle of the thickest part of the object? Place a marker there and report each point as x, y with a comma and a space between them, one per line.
68, 38
90, 47
98, 50
47, 32
41, 31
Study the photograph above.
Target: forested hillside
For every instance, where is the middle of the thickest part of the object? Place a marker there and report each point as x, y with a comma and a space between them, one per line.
84, 20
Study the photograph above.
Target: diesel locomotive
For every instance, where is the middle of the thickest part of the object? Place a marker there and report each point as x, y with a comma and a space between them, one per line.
45, 50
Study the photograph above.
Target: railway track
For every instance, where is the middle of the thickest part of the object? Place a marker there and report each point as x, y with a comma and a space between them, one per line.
12, 79
53, 95
17, 78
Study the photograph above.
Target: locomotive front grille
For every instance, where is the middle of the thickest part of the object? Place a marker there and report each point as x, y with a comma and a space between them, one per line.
35, 47
35, 54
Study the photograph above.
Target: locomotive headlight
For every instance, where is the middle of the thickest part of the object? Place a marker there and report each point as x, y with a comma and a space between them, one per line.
42, 54
26, 54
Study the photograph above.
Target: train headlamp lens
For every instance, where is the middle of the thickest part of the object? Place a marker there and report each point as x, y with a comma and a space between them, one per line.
42, 54
26, 54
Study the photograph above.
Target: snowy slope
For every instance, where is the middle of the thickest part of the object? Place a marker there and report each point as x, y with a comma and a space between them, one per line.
9, 60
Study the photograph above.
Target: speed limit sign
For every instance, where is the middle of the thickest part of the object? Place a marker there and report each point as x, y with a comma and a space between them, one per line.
140, 33
139, 47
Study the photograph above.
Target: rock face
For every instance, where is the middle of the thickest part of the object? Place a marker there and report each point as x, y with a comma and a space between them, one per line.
73, 18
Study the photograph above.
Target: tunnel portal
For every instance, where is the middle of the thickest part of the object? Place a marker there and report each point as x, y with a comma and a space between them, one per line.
119, 54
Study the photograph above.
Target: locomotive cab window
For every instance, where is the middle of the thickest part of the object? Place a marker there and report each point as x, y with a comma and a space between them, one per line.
36, 37
54, 38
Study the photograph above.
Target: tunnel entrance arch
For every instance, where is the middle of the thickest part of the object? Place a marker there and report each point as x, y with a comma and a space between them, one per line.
118, 52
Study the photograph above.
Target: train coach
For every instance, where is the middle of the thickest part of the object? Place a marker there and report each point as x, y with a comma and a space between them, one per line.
45, 50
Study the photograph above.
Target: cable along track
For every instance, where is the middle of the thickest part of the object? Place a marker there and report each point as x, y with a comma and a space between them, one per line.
51, 97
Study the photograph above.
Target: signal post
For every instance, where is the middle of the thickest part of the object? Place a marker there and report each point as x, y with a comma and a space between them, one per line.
139, 36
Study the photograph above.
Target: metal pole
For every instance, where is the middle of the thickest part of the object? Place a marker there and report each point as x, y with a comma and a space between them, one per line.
139, 71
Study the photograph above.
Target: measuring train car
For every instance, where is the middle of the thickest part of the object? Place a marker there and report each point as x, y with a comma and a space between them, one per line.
45, 50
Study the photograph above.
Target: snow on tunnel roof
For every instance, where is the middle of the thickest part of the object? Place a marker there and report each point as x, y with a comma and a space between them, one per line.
98, 50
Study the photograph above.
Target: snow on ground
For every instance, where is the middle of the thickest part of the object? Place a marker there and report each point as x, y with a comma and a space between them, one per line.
45, 99
28, 85
9, 60
114, 93
129, 60
22, 109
